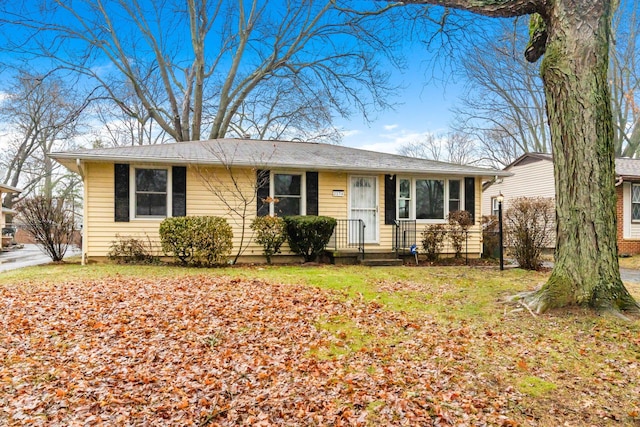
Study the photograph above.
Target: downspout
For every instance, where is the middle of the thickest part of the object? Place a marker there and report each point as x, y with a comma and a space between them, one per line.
619, 181
83, 249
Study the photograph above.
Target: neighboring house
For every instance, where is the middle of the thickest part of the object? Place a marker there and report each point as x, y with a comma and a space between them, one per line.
533, 177
7, 232
129, 190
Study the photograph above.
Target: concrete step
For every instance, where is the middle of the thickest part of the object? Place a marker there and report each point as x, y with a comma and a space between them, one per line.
381, 262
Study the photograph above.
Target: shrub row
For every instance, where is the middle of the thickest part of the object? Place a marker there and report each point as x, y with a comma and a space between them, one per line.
433, 235
207, 241
306, 235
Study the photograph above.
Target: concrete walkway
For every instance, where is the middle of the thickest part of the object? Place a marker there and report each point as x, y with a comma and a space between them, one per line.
626, 274
28, 256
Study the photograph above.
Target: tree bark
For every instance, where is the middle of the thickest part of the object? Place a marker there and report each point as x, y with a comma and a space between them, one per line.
574, 71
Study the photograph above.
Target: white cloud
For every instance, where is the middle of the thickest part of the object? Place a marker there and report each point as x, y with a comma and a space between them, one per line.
390, 127
348, 133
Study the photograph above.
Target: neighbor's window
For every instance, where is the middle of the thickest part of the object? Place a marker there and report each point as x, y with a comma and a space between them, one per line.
429, 199
635, 202
454, 195
494, 206
287, 189
404, 199
151, 192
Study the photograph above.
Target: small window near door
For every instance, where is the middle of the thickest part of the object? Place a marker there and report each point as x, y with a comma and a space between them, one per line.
635, 202
287, 189
404, 199
454, 195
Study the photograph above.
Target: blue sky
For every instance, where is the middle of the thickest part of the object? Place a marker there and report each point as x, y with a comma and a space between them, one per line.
424, 108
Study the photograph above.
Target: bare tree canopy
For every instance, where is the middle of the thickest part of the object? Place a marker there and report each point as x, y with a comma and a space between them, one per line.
206, 69
504, 107
574, 38
38, 113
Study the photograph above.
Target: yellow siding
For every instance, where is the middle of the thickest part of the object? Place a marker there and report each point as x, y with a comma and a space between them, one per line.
100, 229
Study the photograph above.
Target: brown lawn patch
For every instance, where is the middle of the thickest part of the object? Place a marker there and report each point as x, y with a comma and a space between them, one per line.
345, 346
207, 351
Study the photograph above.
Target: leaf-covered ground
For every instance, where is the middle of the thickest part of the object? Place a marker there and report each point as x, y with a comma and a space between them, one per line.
200, 350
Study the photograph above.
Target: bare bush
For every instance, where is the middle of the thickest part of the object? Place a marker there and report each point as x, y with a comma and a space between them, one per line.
529, 223
432, 239
459, 223
50, 224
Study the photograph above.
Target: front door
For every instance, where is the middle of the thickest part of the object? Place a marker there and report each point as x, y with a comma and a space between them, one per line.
364, 205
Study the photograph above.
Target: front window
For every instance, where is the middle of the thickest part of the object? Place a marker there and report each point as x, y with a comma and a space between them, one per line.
151, 192
429, 199
635, 202
287, 189
454, 195
404, 199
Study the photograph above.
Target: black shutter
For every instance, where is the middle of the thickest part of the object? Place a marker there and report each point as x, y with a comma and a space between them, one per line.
312, 193
389, 199
262, 182
121, 192
179, 191
470, 197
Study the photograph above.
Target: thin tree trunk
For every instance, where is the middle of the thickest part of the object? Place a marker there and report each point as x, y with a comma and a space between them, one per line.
574, 70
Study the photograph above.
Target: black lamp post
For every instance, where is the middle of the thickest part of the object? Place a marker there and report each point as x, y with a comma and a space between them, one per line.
500, 199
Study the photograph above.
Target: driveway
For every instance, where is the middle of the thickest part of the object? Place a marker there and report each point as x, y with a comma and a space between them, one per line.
28, 256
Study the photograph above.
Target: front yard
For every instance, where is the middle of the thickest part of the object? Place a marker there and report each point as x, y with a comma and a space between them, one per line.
304, 346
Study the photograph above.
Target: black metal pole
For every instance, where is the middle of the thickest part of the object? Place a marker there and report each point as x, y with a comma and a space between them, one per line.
500, 234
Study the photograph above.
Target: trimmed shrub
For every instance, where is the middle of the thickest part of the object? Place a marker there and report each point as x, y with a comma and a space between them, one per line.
529, 224
308, 235
129, 250
176, 239
432, 240
213, 240
459, 223
197, 240
270, 233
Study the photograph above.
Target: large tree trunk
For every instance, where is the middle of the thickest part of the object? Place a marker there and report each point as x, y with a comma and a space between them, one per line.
574, 71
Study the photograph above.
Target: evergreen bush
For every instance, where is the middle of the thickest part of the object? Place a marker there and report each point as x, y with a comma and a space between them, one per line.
308, 235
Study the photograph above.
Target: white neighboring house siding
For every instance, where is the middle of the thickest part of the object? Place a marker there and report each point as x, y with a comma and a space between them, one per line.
532, 177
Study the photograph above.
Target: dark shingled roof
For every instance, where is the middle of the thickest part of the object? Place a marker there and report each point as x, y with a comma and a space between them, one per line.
271, 154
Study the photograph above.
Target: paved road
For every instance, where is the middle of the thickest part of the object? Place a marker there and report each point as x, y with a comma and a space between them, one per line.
629, 275
28, 256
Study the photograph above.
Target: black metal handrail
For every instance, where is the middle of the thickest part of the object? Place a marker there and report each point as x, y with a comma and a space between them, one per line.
407, 233
349, 233
404, 236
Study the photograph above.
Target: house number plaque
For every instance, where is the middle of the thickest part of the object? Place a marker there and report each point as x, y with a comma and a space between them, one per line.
338, 193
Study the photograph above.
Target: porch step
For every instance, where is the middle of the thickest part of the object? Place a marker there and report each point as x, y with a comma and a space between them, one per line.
381, 262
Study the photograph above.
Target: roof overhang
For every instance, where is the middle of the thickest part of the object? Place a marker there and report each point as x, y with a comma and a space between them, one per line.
71, 161
9, 189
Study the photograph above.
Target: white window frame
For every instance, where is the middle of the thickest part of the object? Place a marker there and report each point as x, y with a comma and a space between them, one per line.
412, 204
303, 189
634, 220
133, 195
494, 206
410, 198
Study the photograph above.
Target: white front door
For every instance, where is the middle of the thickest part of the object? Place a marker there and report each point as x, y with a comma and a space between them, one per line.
364, 206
